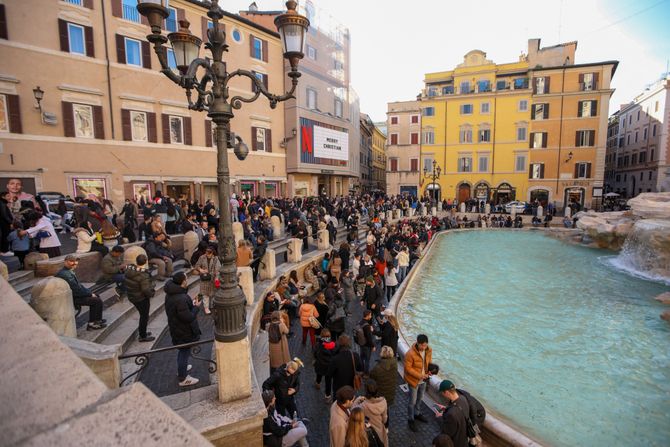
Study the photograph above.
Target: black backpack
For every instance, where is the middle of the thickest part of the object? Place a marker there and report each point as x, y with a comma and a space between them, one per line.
359, 335
477, 410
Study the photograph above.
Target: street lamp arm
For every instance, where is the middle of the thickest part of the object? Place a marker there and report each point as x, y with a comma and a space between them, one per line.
237, 101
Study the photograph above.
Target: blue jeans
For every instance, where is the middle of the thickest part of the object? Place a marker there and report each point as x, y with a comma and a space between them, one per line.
182, 362
118, 278
366, 352
402, 273
415, 398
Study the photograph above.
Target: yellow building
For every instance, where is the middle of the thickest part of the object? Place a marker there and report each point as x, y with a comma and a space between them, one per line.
378, 159
532, 129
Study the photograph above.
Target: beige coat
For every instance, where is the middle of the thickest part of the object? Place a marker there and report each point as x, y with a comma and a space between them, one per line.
338, 426
376, 410
279, 353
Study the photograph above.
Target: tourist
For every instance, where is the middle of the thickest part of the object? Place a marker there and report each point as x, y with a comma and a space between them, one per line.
279, 430
417, 359
270, 305
375, 409
391, 280
19, 245
365, 339
373, 297
356, 265
182, 313
311, 277
337, 316
335, 266
308, 314
323, 354
244, 254
348, 288
259, 252
385, 374
278, 343
454, 417
6, 220
323, 309
388, 330
339, 416
442, 440
87, 240
207, 267
345, 255
42, 231
113, 269
345, 364
293, 283
159, 254
82, 296
140, 289
285, 382
333, 291
403, 263
359, 433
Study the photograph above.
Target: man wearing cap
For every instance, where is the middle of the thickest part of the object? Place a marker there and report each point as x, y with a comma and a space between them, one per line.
454, 422
82, 296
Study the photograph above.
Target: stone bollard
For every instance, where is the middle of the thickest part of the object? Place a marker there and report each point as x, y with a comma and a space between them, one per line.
397, 214
32, 258
310, 239
238, 232
540, 211
424, 211
103, 360
487, 208
411, 212
512, 211
268, 267
462, 207
439, 206
131, 254
568, 211
277, 227
4, 271
389, 215
323, 241
433, 211
52, 300
190, 244
245, 276
294, 250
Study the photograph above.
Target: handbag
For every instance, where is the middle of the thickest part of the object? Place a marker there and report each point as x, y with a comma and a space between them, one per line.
207, 276
358, 377
314, 322
42, 234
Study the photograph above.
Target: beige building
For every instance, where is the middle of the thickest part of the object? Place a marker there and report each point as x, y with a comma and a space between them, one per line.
403, 147
110, 123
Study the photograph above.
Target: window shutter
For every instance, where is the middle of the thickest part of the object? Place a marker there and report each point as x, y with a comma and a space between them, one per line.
576, 170
146, 55
546, 111
594, 108
151, 126
64, 38
120, 49
188, 134
581, 79
68, 119
268, 140
535, 86
203, 24
542, 170
125, 125
547, 84
98, 124
577, 138
588, 170
592, 137
208, 133
266, 82
530, 170
251, 45
181, 15
253, 139
3, 23
531, 140
88, 4
265, 50
117, 8
532, 112
165, 124
595, 81
14, 112
88, 36
544, 140
580, 106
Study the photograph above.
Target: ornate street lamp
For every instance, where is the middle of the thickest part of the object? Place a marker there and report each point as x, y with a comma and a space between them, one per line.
213, 96
434, 174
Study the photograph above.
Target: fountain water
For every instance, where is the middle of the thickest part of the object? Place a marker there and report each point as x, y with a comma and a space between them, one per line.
646, 250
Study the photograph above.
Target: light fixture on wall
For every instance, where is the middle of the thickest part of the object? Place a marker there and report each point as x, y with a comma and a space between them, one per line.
569, 157
283, 142
39, 94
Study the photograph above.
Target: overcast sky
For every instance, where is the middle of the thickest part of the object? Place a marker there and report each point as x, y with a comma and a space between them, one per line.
394, 43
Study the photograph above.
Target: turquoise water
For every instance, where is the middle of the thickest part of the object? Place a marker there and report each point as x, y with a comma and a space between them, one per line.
548, 335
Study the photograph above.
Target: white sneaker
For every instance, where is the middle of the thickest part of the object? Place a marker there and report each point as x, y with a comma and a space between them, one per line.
188, 381
7, 253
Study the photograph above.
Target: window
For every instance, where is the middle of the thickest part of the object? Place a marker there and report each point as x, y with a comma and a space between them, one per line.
394, 164
626, 161
133, 52
337, 65
465, 164
432, 91
588, 81
484, 85
138, 126
83, 121
4, 114
237, 35
394, 138
520, 83
541, 85
257, 48
176, 130
172, 61
520, 164
428, 137
414, 119
484, 107
633, 159
583, 170
644, 133
130, 11
501, 85
261, 139
75, 35
311, 99
643, 157
465, 135
628, 139
521, 134
171, 21
536, 171
630, 119
637, 133
650, 174
429, 111
538, 140
210, 24
587, 108
75, 2
638, 116
414, 164
484, 135
651, 155
414, 138
394, 120
539, 112
311, 52
465, 87
585, 138
338, 108
428, 164
523, 105
466, 109
448, 90
653, 131
261, 77
618, 177
483, 163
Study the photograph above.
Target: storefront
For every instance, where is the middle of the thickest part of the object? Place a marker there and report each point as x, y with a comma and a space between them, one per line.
482, 191
541, 195
408, 190
574, 195
504, 193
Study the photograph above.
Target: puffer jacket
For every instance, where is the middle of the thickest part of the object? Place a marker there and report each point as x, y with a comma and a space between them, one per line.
307, 310
414, 364
110, 266
138, 284
323, 353
84, 240
181, 314
385, 373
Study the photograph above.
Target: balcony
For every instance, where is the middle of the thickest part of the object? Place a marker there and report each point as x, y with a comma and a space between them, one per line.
130, 13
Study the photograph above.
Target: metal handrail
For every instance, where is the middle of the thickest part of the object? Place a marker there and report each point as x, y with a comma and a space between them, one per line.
142, 358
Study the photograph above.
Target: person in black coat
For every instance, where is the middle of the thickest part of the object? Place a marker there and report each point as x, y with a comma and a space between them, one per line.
388, 330
285, 382
182, 315
344, 364
6, 220
323, 354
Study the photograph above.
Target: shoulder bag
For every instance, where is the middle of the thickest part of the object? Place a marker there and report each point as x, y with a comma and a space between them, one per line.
358, 377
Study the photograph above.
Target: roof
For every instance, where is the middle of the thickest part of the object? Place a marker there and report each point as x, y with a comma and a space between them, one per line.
591, 64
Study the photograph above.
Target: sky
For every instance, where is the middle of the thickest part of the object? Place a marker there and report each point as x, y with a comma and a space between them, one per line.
394, 43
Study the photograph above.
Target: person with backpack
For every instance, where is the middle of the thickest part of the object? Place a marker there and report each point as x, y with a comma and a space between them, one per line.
455, 415
363, 334
140, 289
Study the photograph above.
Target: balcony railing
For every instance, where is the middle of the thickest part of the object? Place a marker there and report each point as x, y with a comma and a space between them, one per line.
130, 13
75, 2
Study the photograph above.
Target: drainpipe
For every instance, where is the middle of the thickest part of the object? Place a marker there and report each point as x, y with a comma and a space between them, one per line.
493, 151
444, 167
109, 76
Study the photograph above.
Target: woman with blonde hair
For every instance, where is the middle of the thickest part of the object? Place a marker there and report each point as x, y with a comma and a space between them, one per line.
359, 434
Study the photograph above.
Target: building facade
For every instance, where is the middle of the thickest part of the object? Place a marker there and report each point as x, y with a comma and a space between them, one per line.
637, 158
527, 130
403, 148
110, 123
321, 136
366, 157
378, 159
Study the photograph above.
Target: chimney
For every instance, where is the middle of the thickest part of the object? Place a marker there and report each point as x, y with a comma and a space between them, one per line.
253, 7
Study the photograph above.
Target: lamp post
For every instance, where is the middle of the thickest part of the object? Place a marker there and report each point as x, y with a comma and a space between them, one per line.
434, 174
213, 96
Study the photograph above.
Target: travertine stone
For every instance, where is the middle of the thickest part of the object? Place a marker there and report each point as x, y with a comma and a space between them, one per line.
433, 211
487, 208
190, 244
238, 232
268, 267
131, 254
540, 211
233, 369
30, 263
52, 300
102, 359
4, 271
277, 227
294, 250
245, 276
462, 207
324, 242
